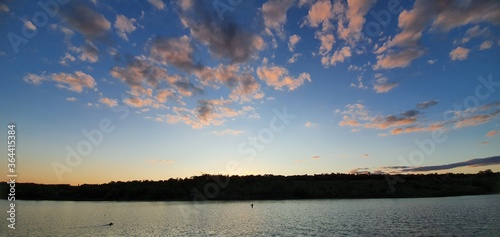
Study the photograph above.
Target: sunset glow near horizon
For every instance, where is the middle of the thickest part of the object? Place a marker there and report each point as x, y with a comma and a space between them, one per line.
106, 91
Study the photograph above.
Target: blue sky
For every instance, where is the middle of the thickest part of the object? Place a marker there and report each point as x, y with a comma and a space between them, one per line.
133, 90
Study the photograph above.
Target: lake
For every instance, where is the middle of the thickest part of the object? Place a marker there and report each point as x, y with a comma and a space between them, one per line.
447, 216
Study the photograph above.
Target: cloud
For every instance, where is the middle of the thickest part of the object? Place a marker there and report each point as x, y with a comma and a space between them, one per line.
327, 41
160, 162
208, 112
74, 82
163, 95
485, 45
476, 119
457, 13
175, 51
274, 13
91, 24
158, 4
441, 15
320, 12
355, 20
459, 53
4, 7
228, 132
356, 115
109, 102
473, 32
29, 25
398, 59
315, 157
278, 77
294, 58
492, 133
366, 155
140, 75
34, 79
292, 41
427, 104
71, 99
139, 102
243, 85
410, 129
478, 162
431, 61
382, 85
224, 39
339, 56
311, 125
67, 57
88, 52
124, 26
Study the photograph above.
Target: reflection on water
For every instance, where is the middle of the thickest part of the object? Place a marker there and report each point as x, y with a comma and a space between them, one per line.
450, 216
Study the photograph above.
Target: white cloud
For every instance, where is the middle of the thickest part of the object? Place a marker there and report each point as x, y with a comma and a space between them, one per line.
109, 102
29, 25
485, 45
124, 26
158, 4
292, 41
459, 53
278, 77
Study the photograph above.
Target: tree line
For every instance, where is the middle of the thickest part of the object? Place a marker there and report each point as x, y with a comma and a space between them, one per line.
223, 187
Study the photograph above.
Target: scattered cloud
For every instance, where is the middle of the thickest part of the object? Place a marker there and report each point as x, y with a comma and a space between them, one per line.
225, 39
91, 24
311, 125
4, 7
294, 58
382, 84
355, 20
338, 56
425, 15
427, 104
431, 61
316, 157
158, 4
175, 51
320, 12
29, 25
72, 81
278, 77
459, 53
124, 26
478, 162
366, 155
207, 113
109, 102
71, 99
292, 41
485, 45
34, 79
492, 133
274, 13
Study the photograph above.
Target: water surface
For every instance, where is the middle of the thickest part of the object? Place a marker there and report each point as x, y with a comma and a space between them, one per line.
449, 216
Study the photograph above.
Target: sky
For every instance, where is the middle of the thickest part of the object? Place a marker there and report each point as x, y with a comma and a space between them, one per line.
105, 91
